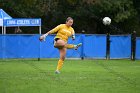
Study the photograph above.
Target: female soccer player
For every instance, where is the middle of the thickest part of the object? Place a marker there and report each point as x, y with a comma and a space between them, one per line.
63, 32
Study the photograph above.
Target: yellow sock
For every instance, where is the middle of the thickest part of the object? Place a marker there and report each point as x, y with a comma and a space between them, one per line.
69, 46
59, 65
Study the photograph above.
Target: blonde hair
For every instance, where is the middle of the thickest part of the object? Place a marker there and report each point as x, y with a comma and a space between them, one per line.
69, 18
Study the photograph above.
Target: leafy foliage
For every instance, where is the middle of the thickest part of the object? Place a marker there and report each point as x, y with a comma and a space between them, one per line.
87, 14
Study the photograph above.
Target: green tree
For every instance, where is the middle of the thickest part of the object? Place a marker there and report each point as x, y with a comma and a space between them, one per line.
87, 14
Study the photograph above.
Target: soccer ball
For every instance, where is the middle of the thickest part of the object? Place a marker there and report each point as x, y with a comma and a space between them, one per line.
106, 21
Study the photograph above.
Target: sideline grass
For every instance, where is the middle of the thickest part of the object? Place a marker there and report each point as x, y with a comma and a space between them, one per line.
77, 76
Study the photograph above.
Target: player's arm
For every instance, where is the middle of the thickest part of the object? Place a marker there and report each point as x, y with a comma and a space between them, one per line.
56, 29
73, 34
53, 30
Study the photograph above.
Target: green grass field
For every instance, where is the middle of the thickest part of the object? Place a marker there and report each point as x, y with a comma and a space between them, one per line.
77, 76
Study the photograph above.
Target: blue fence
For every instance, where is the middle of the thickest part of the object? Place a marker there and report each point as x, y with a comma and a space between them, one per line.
120, 46
137, 48
19, 46
94, 46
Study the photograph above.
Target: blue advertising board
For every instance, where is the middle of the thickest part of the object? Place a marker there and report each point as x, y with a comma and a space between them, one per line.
22, 22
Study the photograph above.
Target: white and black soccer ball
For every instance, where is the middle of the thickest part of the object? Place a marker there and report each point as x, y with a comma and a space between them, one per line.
106, 21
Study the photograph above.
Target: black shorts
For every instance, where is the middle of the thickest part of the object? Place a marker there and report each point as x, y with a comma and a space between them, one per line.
56, 39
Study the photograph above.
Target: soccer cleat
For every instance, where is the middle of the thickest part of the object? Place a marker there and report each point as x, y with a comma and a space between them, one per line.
57, 72
77, 46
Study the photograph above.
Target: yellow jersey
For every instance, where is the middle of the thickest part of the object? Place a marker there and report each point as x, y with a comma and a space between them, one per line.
63, 32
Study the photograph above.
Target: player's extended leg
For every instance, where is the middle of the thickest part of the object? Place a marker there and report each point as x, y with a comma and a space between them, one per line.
71, 46
61, 60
